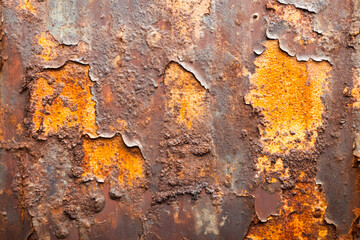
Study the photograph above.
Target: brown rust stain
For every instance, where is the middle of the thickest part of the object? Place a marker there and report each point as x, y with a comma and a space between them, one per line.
288, 94
61, 98
186, 97
187, 17
103, 157
1, 121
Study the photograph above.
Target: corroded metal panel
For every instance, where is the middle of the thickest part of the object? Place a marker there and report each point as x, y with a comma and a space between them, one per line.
180, 119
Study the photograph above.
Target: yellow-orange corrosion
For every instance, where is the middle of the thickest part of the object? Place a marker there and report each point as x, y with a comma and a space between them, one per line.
288, 94
62, 98
186, 98
102, 156
265, 166
26, 4
301, 216
47, 44
355, 92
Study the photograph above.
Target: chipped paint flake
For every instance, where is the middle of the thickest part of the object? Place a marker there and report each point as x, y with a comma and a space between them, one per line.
288, 94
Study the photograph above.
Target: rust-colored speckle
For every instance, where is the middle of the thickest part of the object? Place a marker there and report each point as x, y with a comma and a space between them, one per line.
62, 98
288, 94
111, 156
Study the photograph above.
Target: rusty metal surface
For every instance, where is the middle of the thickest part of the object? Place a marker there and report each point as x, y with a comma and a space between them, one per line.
180, 119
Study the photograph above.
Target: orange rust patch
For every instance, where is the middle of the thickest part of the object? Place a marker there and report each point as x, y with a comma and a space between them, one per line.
47, 44
26, 4
102, 156
288, 93
265, 166
62, 98
301, 216
186, 98
355, 92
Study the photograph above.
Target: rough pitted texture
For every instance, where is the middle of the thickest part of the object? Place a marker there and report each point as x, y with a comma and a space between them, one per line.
179, 119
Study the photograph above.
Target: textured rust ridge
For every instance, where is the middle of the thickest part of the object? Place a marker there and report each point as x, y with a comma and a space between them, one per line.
179, 119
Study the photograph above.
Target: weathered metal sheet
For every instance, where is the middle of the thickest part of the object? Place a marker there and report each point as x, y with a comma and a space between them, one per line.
180, 119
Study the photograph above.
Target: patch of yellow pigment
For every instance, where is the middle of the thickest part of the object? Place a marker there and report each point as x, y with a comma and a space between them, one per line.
265, 167
62, 98
47, 44
301, 216
186, 98
288, 94
26, 4
188, 15
102, 156
355, 92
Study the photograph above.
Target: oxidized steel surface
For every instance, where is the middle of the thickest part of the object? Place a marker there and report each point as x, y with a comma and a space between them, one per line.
180, 119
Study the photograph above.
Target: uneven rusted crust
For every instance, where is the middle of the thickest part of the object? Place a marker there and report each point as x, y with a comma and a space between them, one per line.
180, 119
